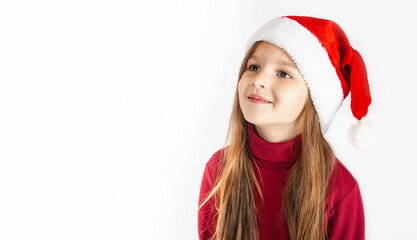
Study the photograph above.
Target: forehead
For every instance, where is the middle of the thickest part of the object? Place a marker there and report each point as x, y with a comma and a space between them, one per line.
270, 52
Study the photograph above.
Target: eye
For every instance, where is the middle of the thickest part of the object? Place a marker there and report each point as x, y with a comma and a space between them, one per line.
250, 67
283, 74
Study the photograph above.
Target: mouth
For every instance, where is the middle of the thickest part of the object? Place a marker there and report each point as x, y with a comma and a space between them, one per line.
258, 99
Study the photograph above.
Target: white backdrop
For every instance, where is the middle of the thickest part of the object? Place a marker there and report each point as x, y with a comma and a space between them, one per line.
109, 111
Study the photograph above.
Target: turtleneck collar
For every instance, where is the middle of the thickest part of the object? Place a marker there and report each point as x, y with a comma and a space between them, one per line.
271, 153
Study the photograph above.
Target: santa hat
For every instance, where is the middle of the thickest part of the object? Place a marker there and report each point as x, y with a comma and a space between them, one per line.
330, 67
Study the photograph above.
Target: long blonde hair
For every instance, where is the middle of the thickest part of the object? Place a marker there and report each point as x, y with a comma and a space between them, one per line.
305, 191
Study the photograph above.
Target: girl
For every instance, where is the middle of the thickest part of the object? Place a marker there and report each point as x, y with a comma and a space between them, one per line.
279, 178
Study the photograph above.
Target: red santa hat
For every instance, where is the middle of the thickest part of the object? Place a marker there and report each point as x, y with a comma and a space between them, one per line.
330, 67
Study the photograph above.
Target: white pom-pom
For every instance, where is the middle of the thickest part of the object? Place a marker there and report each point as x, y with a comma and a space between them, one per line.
363, 136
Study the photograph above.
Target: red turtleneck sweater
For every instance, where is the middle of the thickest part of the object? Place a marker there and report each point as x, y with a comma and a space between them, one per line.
345, 208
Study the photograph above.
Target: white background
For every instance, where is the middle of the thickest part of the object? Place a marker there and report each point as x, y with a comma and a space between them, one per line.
109, 111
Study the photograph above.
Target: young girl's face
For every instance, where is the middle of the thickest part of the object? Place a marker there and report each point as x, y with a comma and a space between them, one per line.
272, 74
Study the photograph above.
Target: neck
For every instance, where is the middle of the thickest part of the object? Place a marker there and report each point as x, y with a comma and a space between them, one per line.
283, 151
277, 134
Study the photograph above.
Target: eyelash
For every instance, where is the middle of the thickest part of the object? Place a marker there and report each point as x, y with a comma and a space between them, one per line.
249, 68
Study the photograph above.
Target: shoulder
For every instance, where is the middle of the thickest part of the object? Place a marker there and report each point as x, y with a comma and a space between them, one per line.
345, 213
342, 177
341, 184
215, 158
213, 165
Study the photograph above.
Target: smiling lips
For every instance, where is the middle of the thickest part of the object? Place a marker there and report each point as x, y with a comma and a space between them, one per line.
257, 99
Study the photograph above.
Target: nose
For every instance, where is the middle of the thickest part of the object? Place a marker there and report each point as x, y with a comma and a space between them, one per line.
260, 80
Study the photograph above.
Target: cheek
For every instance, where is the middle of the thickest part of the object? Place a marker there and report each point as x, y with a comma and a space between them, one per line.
292, 97
241, 87
300, 98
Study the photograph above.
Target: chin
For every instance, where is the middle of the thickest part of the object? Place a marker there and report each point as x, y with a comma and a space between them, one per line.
255, 121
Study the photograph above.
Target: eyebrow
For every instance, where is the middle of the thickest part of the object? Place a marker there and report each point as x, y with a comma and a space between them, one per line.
282, 62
